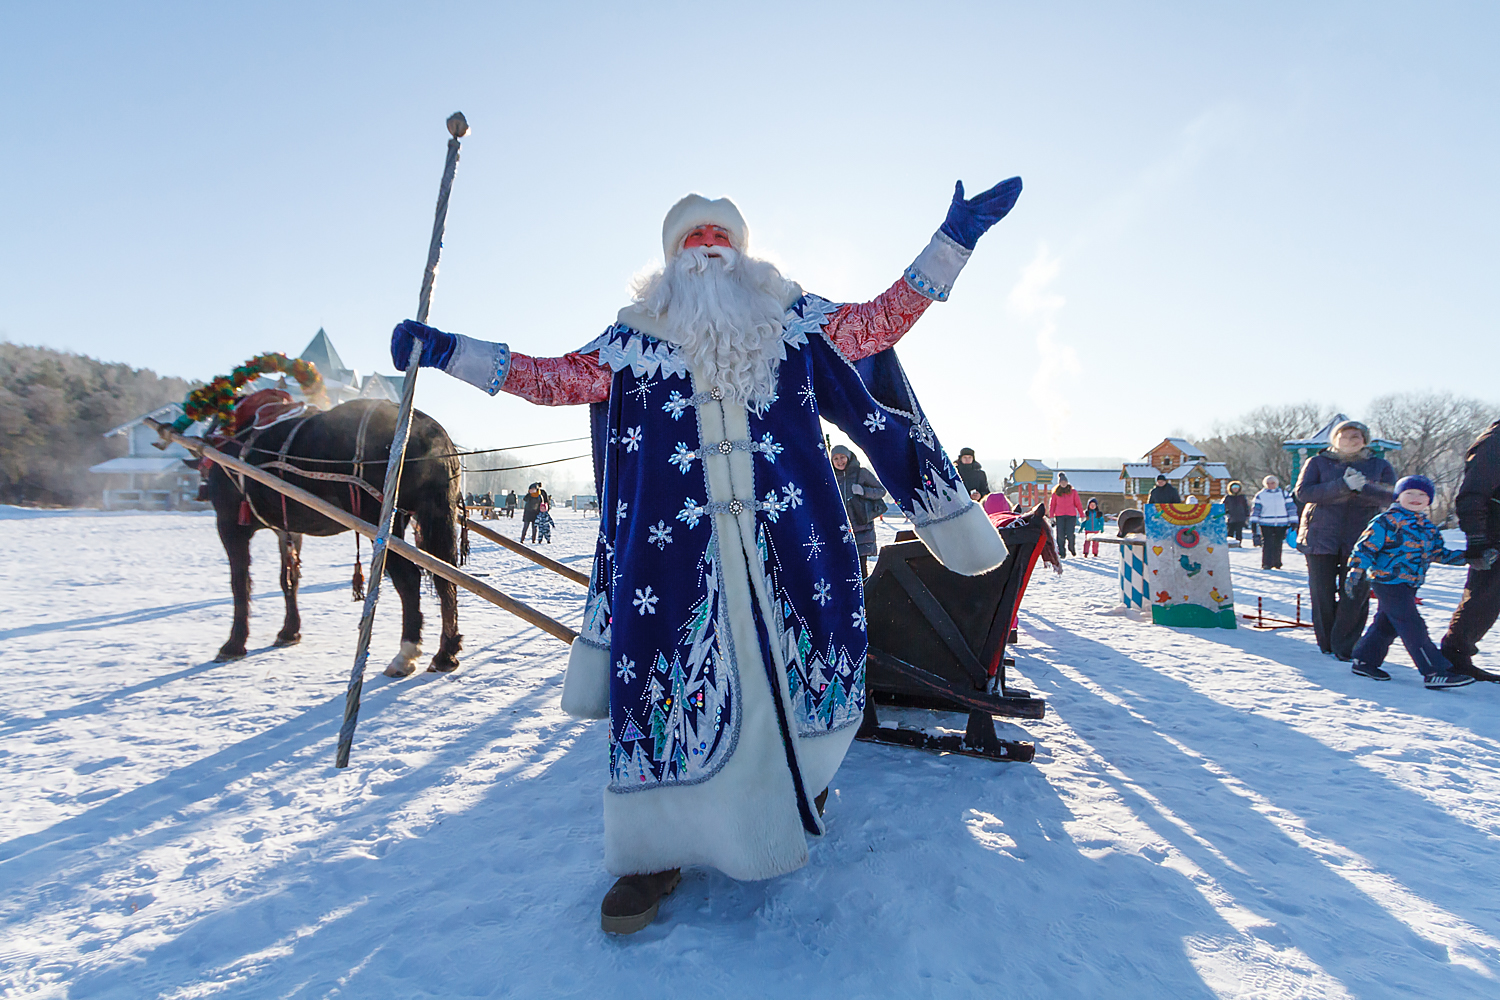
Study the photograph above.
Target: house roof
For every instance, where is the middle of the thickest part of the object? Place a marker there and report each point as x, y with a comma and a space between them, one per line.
379, 386
1183, 445
321, 352
133, 464
1095, 481
164, 414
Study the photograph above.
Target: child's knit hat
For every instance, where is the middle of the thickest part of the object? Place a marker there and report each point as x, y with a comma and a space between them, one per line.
1417, 483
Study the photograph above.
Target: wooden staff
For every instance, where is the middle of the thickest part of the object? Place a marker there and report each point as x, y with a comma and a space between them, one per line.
426, 560
529, 553
458, 127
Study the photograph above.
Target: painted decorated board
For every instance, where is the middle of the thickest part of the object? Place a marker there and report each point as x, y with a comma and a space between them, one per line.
1187, 565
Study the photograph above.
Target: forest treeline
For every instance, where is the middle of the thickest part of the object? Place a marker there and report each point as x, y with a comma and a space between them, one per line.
54, 410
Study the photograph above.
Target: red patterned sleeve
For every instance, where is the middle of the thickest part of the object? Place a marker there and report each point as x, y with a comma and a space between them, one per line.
565, 381
859, 330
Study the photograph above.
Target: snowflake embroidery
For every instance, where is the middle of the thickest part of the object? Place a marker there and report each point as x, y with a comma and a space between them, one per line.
772, 506
769, 448
875, 421
626, 669
846, 533
621, 507
859, 619
642, 390
645, 601
813, 545
820, 592
633, 439
808, 396
692, 511
793, 495
661, 536
683, 457
675, 405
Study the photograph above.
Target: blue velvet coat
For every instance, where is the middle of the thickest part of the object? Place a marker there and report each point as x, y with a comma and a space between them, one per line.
659, 599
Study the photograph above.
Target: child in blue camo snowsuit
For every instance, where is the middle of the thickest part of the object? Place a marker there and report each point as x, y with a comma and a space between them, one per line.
1395, 551
543, 523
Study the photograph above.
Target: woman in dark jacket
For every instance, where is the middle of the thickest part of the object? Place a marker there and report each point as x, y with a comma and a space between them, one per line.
1342, 488
863, 501
1236, 511
975, 481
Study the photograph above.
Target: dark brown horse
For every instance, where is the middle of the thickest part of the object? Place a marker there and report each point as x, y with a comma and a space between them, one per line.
339, 455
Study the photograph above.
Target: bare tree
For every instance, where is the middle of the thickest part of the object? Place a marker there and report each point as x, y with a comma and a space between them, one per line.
1435, 430
1251, 445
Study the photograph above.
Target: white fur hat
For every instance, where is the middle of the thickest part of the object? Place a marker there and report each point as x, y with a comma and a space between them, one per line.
693, 211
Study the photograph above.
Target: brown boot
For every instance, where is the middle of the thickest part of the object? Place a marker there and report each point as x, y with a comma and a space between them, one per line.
633, 900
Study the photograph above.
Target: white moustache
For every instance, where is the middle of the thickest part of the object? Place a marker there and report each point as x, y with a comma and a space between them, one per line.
699, 259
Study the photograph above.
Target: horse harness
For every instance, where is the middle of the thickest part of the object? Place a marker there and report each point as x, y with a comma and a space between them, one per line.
281, 463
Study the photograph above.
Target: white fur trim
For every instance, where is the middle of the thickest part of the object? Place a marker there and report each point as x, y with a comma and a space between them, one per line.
479, 363
693, 211
585, 692
936, 268
744, 820
967, 543
405, 661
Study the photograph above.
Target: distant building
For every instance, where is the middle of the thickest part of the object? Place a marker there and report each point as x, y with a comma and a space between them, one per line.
1029, 482
149, 478
342, 384
1185, 466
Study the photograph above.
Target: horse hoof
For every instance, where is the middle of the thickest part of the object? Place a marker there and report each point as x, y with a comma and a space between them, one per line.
230, 653
440, 666
288, 640
405, 661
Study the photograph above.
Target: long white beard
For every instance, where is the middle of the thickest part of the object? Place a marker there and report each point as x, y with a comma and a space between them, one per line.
724, 313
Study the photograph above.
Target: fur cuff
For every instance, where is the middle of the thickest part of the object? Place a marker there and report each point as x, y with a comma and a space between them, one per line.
479, 363
967, 544
586, 684
936, 268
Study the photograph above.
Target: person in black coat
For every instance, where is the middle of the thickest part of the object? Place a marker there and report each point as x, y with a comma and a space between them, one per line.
1478, 505
975, 481
1236, 511
1341, 489
1164, 492
864, 500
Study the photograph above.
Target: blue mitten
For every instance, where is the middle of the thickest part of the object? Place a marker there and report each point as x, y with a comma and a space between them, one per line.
437, 346
970, 219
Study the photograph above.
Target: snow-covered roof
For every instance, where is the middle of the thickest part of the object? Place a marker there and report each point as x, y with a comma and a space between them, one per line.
1090, 481
1187, 447
130, 463
1140, 470
162, 414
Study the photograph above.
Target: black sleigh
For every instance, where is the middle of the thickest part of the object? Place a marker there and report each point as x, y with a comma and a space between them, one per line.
938, 641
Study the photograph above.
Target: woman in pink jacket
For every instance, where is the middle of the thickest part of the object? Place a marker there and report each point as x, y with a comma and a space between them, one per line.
1065, 507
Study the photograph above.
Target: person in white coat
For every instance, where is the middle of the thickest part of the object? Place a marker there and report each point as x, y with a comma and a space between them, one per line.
1274, 511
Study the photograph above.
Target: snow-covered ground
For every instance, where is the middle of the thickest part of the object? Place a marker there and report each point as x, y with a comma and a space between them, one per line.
1210, 814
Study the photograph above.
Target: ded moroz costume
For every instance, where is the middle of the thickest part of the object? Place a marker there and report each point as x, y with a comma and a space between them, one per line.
724, 634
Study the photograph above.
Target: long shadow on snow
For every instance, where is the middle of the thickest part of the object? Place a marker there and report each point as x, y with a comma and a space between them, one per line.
148, 806
150, 614
476, 864
1391, 837
522, 909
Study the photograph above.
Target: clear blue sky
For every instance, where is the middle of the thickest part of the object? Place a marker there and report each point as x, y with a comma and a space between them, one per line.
1226, 204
